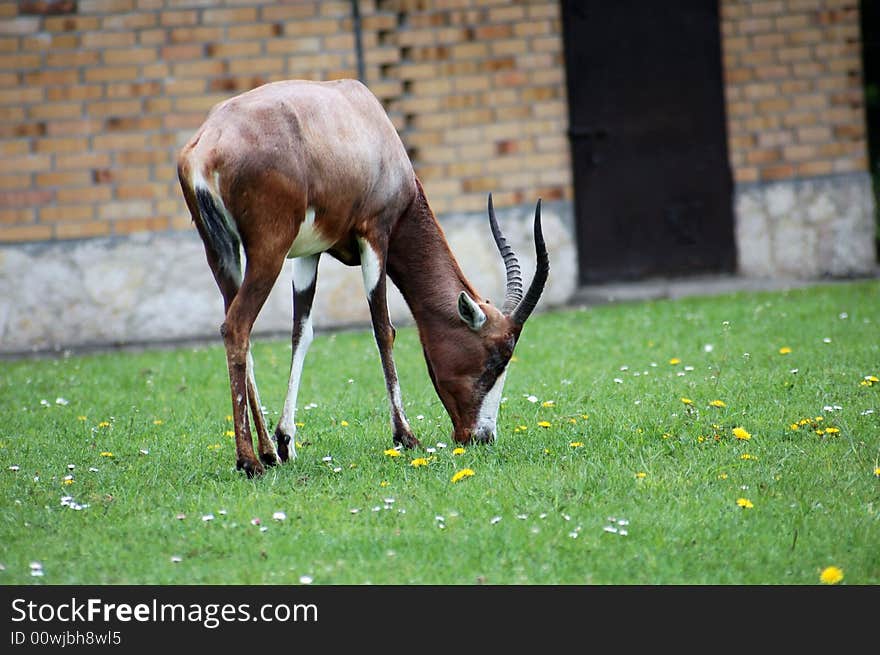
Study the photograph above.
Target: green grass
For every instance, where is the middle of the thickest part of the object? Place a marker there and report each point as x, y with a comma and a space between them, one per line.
536, 509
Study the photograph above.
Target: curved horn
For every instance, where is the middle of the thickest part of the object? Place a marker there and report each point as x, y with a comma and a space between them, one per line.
513, 293
542, 269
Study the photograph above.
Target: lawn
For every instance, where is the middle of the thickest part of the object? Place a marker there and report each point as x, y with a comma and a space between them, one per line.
721, 440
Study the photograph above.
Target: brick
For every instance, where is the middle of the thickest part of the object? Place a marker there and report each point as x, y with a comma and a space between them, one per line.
196, 34
61, 144
116, 108
84, 160
257, 65
62, 179
20, 96
81, 230
16, 216
150, 224
229, 16
103, 40
89, 194
199, 69
15, 181
63, 213
77, 92
813, 168
132, 21
124, 210
110, 73
258, 31
104, 6
782, 172
233, 50
273, 12
20, 25
120, 57
76, 60
18, 164
22, 233
26, 197
297, 29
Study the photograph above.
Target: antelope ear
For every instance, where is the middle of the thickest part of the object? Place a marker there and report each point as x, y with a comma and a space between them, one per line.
470, 312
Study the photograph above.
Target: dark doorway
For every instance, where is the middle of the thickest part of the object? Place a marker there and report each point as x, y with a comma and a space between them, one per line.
652, 181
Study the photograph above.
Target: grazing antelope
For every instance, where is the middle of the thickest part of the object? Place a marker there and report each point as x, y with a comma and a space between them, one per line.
293, 169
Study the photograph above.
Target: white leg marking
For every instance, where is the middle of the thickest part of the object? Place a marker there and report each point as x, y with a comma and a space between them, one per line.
287, 422
488, 414
369, 266
304, 271
397, 403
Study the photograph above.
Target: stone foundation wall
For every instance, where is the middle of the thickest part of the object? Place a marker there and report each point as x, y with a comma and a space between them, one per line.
806, 229
158, 287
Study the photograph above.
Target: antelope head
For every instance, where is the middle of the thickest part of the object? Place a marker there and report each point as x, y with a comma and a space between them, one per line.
469, 367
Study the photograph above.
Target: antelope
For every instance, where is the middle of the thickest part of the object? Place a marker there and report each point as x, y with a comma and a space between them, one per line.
297, 168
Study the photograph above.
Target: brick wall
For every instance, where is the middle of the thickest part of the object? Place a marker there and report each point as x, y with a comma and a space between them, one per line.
794, 88
96, 96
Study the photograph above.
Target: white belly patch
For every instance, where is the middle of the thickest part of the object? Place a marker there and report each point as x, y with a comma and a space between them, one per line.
309, 240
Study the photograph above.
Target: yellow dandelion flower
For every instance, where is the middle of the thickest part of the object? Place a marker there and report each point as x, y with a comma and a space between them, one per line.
544, 424
832, 430
701, 439
67, 481
106, 453
585, 416
831, 575
229, 417
687, 401
458, 451
795, 426
384, 483
718, 403
877, 471
392, 452
158, 421
741, 433
572, 420
343, 423
462, 474
104, 424
722, 476
745, 503
548, 403
641, 475
419, 461
819, 418
229, 433
576, 444
666, 435
747, 456
785, 350
674, 361
82, 418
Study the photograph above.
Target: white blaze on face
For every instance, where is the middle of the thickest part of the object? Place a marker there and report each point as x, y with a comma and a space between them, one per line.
487, 416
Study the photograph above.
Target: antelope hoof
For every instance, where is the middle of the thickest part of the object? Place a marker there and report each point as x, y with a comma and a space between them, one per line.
407, 440
269, 459
252, 468
282, 445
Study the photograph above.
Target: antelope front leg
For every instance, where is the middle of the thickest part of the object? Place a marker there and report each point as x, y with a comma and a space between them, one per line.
305, 273
373, 269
